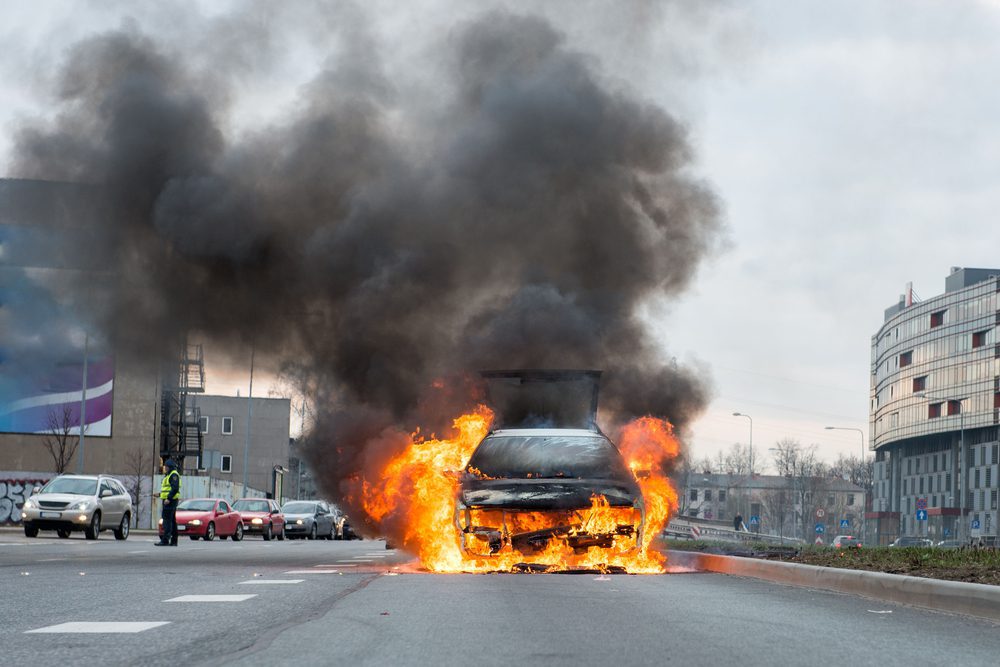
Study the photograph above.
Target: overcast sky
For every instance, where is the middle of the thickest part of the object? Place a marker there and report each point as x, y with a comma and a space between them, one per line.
853, 146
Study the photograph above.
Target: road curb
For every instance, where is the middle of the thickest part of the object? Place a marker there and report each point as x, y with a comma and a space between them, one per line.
980, 600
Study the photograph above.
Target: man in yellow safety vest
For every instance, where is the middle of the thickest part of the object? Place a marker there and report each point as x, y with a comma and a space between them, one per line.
170, 493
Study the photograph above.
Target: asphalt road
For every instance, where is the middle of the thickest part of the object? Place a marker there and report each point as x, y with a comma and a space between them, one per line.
360, 604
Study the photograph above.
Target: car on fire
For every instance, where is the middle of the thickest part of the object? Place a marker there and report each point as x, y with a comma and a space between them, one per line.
309, 518
540, 472
207, 518
88, 503
261, 516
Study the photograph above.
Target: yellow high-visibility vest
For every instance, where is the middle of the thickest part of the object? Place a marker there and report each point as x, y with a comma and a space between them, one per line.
165, 486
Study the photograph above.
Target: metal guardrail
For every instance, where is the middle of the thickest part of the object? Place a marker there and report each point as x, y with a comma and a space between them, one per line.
685, 530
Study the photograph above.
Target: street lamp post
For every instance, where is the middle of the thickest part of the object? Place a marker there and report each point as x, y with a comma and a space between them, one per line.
740, 414
960, 463
861, 522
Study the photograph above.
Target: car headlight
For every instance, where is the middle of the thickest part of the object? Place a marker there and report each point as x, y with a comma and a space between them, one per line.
257, 522
298, 522
82, 505
160, 522
30, 504
195, 522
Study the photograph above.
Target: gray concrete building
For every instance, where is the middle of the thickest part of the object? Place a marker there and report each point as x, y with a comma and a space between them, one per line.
935, 407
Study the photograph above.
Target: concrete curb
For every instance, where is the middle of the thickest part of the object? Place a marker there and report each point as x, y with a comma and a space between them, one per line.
980, 600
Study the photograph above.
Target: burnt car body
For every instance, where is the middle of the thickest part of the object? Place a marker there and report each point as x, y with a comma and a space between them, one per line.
539, 474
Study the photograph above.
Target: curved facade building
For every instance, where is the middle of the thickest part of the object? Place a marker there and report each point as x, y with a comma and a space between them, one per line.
935, 402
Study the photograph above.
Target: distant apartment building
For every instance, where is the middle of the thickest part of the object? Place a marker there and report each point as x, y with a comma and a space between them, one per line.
224, 427
935, 404
775, 504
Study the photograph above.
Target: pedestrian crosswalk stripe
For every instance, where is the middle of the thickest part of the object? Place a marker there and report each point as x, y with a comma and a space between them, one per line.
100, 627
212, 598
273, 581
314, 571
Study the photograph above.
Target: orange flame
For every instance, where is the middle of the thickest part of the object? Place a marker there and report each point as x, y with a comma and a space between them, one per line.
417, 490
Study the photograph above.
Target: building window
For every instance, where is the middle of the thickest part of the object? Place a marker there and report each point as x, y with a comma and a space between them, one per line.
979, 339
921, 486
933, 410
708, 494
920, 383
829, 501
722, 492
954, 407
996, 403
975, 483
993, 499
694, 494
203, 424
850, 498
227, 463
227, 426
937, 319
905, 359
934, 462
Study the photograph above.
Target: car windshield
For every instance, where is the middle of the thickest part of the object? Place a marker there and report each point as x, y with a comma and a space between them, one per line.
547, 456
299, 508
197, 505
251, 506
72, 485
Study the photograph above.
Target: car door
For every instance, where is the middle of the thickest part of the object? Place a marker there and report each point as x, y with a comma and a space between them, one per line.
227, 519
327, 527
110, 504
277, 518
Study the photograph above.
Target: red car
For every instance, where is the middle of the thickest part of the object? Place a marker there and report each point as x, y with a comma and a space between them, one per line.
261, 516
206, 518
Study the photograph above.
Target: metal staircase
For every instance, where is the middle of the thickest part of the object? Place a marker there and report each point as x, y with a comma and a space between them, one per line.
180, 418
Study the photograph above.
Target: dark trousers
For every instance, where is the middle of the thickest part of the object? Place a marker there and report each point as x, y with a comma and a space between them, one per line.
169, 515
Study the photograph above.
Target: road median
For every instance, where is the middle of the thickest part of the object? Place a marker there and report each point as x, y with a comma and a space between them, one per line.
979, 600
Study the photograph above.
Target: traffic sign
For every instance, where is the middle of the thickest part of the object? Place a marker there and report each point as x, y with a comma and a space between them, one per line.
819, 540
947, 532
921, 515
708, 514
820, 528
820, 513
975, 524
844, 523
921, 503
754, 520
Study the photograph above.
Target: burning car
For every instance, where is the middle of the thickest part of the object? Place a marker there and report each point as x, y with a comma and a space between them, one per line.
545, 479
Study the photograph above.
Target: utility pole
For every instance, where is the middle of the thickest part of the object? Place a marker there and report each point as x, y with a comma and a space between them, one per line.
83, 404
246, 448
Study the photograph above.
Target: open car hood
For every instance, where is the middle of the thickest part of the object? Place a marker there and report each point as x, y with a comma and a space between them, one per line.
546, 494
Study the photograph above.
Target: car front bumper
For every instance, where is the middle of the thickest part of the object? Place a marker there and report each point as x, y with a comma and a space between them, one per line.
57, 519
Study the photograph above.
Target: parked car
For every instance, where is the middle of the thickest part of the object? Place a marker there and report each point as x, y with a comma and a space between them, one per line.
309, 518
206, 518
261, 516
907, 541
88, 503
846, 542
950, 544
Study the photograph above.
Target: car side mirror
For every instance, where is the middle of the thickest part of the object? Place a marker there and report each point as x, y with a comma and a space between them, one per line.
275, 511
107, 492
35, 489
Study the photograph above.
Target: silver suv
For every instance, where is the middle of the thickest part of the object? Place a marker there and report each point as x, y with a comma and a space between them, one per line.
68, 503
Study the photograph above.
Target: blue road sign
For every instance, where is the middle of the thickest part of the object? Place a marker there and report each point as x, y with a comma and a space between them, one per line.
921, 515
820, 528
975, 524
844, 523
754, 520
947, 532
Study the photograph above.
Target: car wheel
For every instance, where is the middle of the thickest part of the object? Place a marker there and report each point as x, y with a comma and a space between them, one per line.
333, 533
238, 535
121, 533
312, 532
31, 531
63, 534
193, 537
281, 535
94, 529
267, 533
210, 532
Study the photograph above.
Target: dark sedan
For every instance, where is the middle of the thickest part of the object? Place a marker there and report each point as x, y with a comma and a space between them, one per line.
309, 518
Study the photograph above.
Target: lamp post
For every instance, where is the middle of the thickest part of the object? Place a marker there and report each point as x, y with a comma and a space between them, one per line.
861, 522
246, 447
781, 505
740, 414
960, 463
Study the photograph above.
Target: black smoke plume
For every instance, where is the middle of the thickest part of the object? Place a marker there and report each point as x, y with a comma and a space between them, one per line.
516, 216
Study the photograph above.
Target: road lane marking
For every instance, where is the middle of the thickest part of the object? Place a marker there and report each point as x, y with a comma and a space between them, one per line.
100, 626
337, 565
144, 551
212, 598
362, 560
313, 572
273, 581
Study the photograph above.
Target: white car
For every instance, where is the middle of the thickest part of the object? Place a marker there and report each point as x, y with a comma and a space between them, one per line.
88, 503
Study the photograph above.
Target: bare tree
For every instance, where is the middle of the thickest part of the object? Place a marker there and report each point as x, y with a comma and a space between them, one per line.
805, 473
855, 471
741, 460
60, 441
137, 466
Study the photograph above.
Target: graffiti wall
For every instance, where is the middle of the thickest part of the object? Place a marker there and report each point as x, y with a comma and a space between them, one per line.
13, 493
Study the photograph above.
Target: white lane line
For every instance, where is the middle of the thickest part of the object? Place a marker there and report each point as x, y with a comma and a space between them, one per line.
144, 551
100, 626
273, 581
336, 565
362, 560
312, 572
212, 598
52, 560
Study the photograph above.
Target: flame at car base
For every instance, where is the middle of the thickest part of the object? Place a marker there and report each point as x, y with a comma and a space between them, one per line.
417, 490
